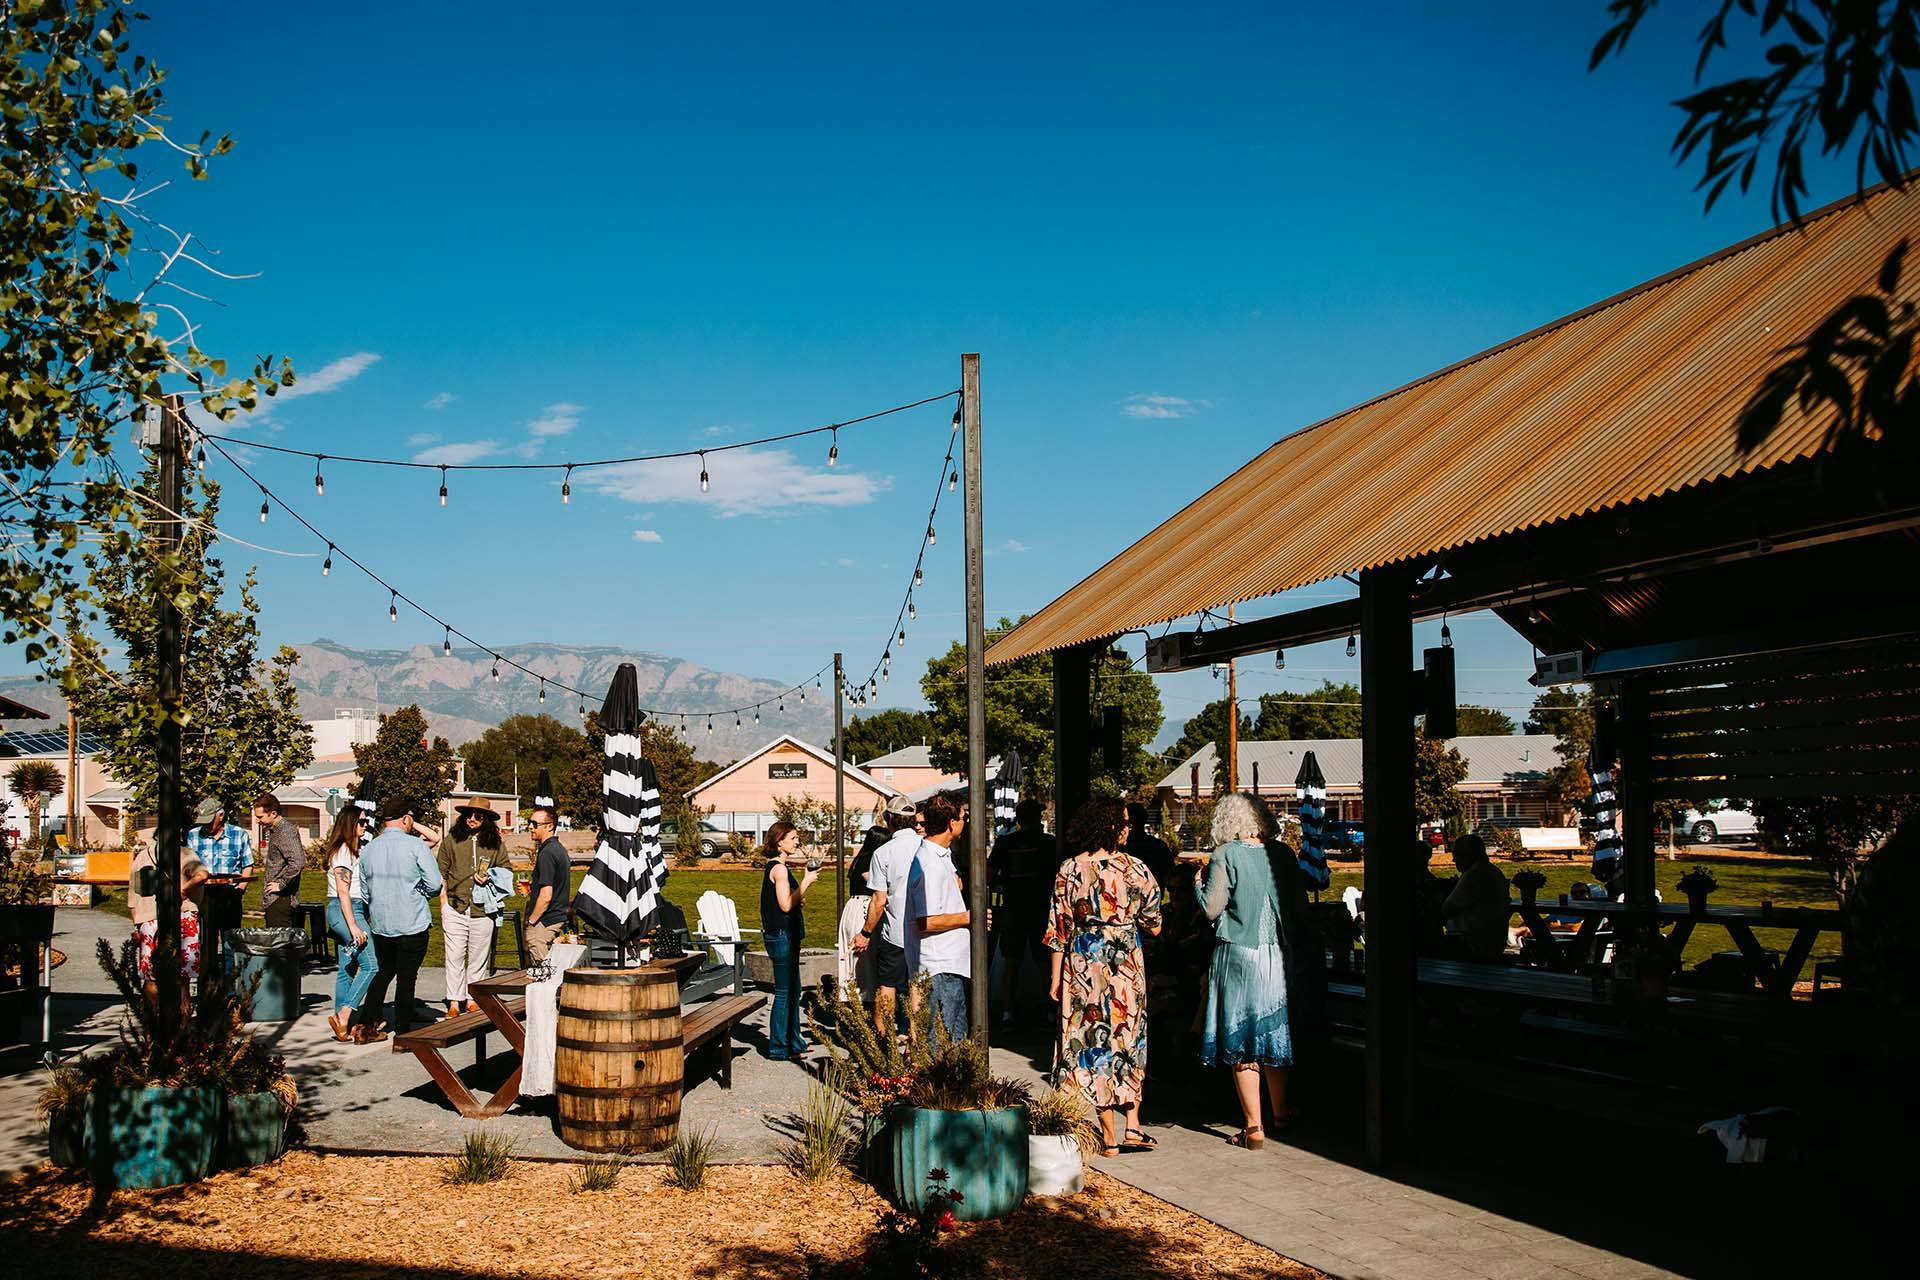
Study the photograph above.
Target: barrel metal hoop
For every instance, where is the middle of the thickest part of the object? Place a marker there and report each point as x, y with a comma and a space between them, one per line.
616, 1015
618, 1046
666, 1089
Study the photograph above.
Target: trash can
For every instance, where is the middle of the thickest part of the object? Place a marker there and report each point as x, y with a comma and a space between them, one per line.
273, 957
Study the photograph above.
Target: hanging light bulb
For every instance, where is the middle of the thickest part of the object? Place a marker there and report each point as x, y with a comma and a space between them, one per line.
319, 481
756, 715
566, 488
783, 704
931, 539
543, 690
496, 668
703, 471
874, 690
443, 486
953, 480
1279, 659
1446, 634
446, 644
833, 450
817, 684
886, 674
326, 566
263, 506
393, 605
709, 724
1352, 646
736, 719
903, 635
200, 459
913, 614
582, 710
956, 414
919, 578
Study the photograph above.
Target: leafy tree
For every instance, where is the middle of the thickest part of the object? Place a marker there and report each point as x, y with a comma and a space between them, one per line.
401, 762
579, 790
1482, 721
1210, 725
1567, 714
813, 817
1331, 711
84, 352
532, 742
1836, 72
673, 760
581, 797
1835, 831
883, 731
1019, 706
243, 730
1438, 771
33, 780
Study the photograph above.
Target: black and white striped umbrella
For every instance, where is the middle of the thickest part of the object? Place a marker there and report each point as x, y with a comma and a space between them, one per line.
1310, 785
366, 800
543, 791
621, 894
1606, 833
1006, 791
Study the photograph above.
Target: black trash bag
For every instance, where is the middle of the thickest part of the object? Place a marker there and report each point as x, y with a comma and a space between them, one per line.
267, 942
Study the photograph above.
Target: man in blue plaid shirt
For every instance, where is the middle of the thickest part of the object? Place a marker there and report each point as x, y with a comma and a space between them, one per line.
224, 848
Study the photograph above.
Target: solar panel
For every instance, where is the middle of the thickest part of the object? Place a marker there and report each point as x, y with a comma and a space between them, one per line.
22, 743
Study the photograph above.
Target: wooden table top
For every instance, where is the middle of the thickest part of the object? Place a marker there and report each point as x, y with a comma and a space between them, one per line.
1781, 917
519, 979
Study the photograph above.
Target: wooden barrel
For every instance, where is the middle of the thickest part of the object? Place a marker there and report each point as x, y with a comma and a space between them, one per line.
618, 1063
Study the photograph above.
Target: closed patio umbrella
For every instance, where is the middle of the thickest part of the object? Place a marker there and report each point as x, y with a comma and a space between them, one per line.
1006, 791
543, 791
621, 894
1310, 785
1606, 835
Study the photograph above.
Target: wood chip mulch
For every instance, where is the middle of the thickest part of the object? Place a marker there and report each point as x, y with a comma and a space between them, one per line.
327, 1217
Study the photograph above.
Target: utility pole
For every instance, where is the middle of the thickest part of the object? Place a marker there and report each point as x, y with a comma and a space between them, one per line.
978, 814
1233, 722
839, 795
172, 814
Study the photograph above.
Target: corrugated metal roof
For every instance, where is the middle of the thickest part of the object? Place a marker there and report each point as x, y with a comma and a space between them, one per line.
1631, 398
1491, 759
920, 757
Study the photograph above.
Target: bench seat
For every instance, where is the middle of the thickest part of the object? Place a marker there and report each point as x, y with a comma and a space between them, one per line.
714, 1021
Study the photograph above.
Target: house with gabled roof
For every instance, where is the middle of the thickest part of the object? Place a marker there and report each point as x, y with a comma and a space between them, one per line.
741, 796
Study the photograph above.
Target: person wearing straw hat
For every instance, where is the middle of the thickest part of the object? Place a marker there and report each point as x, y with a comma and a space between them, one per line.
468, 857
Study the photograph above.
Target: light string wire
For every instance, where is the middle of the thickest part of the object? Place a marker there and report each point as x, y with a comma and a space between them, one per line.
868, 689
398, 597
319, 457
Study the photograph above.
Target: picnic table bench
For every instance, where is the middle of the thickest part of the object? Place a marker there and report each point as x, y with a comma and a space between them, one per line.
1775, 976
713, 1023
429, 1044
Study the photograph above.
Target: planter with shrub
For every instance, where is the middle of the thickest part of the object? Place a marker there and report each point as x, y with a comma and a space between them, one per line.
1060, 1136
26, 927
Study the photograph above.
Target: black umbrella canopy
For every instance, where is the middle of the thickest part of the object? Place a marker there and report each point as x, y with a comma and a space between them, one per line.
1310, 785
1006, 790
1310, 775
621, 893
543, 791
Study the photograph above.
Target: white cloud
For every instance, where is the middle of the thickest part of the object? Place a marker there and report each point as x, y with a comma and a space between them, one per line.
1162, 406
715, 432
744, 482
329, 377
646, 535
421, 439
460, 451
847, 562
1013, 546
556, 419
441, 399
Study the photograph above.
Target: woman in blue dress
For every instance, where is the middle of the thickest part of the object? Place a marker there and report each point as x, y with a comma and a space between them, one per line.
1251, 890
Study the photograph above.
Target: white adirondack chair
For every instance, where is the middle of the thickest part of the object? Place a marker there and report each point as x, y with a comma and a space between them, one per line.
720, 926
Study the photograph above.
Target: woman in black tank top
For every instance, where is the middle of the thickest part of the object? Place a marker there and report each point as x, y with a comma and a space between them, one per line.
785, 927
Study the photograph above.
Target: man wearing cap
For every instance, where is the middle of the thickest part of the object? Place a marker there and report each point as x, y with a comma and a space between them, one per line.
399, 878
467, 856
285, 857
886, 928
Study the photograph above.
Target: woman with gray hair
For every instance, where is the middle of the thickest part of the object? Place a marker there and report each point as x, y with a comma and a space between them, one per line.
1250, 891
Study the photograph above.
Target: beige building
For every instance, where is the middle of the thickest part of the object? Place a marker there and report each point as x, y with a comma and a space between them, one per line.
741, 796
910, 769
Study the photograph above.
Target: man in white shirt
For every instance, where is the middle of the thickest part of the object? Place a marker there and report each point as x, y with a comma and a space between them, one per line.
938, 941
885, 932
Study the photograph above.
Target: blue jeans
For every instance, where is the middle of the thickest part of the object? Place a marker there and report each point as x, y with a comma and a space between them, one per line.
783, 1027
949, 999
357, 964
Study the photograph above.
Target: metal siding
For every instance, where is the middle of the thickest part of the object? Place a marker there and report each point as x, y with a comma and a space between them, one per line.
1627, 400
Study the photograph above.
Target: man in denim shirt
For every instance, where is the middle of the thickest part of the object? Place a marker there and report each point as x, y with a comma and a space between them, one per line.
399, 875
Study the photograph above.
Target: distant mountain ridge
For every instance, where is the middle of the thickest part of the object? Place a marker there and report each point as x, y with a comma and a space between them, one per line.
461, 699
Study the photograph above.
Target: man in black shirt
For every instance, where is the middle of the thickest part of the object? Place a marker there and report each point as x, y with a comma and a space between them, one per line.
550, 894
1020, 871
1147, 847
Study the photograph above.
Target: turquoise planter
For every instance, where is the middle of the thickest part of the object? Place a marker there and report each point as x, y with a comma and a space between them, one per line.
253, 1130
69, 1138
153, 1137
983, 1152
876, 1153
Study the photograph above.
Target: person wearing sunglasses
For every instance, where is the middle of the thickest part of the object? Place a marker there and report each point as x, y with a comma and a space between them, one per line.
550, 893
347, 921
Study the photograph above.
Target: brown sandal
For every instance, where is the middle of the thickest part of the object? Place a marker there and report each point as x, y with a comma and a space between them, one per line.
1251, 1139
368, 1035
341, 1031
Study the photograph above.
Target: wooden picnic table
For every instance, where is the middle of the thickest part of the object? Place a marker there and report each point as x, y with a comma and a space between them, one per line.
1775, 978
1544, 990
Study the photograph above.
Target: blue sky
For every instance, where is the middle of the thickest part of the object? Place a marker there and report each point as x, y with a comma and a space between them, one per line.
1174, 234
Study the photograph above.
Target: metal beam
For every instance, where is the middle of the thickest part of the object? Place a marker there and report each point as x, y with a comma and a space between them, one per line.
978, 811
1387, 711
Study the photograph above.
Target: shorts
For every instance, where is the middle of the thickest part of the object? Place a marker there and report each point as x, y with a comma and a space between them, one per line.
889, 964
149, 933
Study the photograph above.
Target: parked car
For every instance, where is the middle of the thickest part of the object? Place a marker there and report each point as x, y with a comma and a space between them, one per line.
1705, 828
1349, 838
712, 838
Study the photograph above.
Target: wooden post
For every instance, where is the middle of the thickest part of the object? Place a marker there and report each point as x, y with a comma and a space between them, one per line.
1636, 800
171, 803
1233, 721
1072, 731
839, 794
1386, 678
979, 813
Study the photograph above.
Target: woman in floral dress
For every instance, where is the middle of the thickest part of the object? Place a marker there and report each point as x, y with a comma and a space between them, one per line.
1103, 901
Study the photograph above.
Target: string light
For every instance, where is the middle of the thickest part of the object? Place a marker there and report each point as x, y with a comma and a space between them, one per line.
393, 605
1446, 633
543, 690
756, 715
1279, 659
931, 537
913, 614
201, 460
326, 566
709, 724
319, 481
443, 486
1352, 647
703, 471
953, 480
956, 415
903, 636
496, 668
263, 505
446, 644
833, 450
919, 578
566, 488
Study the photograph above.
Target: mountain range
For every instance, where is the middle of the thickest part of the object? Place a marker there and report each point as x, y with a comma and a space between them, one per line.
462, 700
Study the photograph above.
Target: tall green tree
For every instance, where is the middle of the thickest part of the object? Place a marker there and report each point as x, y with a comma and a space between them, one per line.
1019, 706
1331, 711
869, 737
1567, 714
1438, 771
531, 743
401, 761
243, 730
580, 792
34, 781
1210, 725
1482, 722
84, 275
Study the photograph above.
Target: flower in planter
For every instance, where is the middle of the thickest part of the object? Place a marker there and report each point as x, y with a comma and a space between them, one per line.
1698, 883
1529, 882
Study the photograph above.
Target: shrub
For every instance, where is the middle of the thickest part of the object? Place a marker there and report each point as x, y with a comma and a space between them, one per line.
739, 845
598, 1173
827, 1139
485, 1157
874, 1071
67, 1090
688, 1158
1063, 1114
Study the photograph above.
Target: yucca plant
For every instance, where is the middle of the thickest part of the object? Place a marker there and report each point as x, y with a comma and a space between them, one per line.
827, 1139
599, 1173
688, 1157
485, 1157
